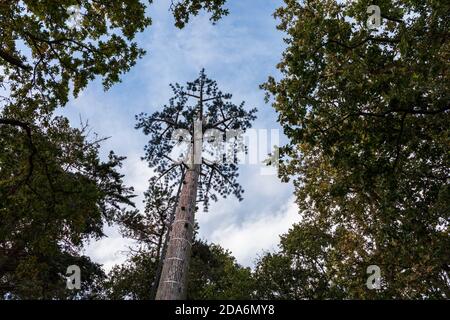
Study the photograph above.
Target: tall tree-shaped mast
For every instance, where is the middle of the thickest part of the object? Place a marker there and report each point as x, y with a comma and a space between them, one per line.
203, 128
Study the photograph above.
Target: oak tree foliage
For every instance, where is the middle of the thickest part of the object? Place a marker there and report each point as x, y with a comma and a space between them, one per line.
367, 115
51, 48
183, 9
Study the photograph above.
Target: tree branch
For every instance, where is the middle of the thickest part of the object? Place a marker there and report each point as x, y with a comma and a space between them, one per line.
13, 60
27, 129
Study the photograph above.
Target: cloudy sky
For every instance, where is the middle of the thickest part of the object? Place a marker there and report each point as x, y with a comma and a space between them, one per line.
240, 52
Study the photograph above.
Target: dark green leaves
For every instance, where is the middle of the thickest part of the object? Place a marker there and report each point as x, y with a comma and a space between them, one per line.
47, 213
367, 114
183, 9
45, 53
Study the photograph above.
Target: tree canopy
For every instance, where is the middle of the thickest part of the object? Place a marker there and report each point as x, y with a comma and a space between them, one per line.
367, 113
44, 54
63, 199
172, 130
49, 48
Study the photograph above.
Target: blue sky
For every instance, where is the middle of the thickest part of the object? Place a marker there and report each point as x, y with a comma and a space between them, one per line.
239, 52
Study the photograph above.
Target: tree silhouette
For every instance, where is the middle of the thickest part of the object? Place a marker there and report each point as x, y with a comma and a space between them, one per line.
209, 127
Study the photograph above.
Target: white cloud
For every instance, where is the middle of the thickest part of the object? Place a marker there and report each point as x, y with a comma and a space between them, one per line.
253, 237
137, 173
239, 52
109, 251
